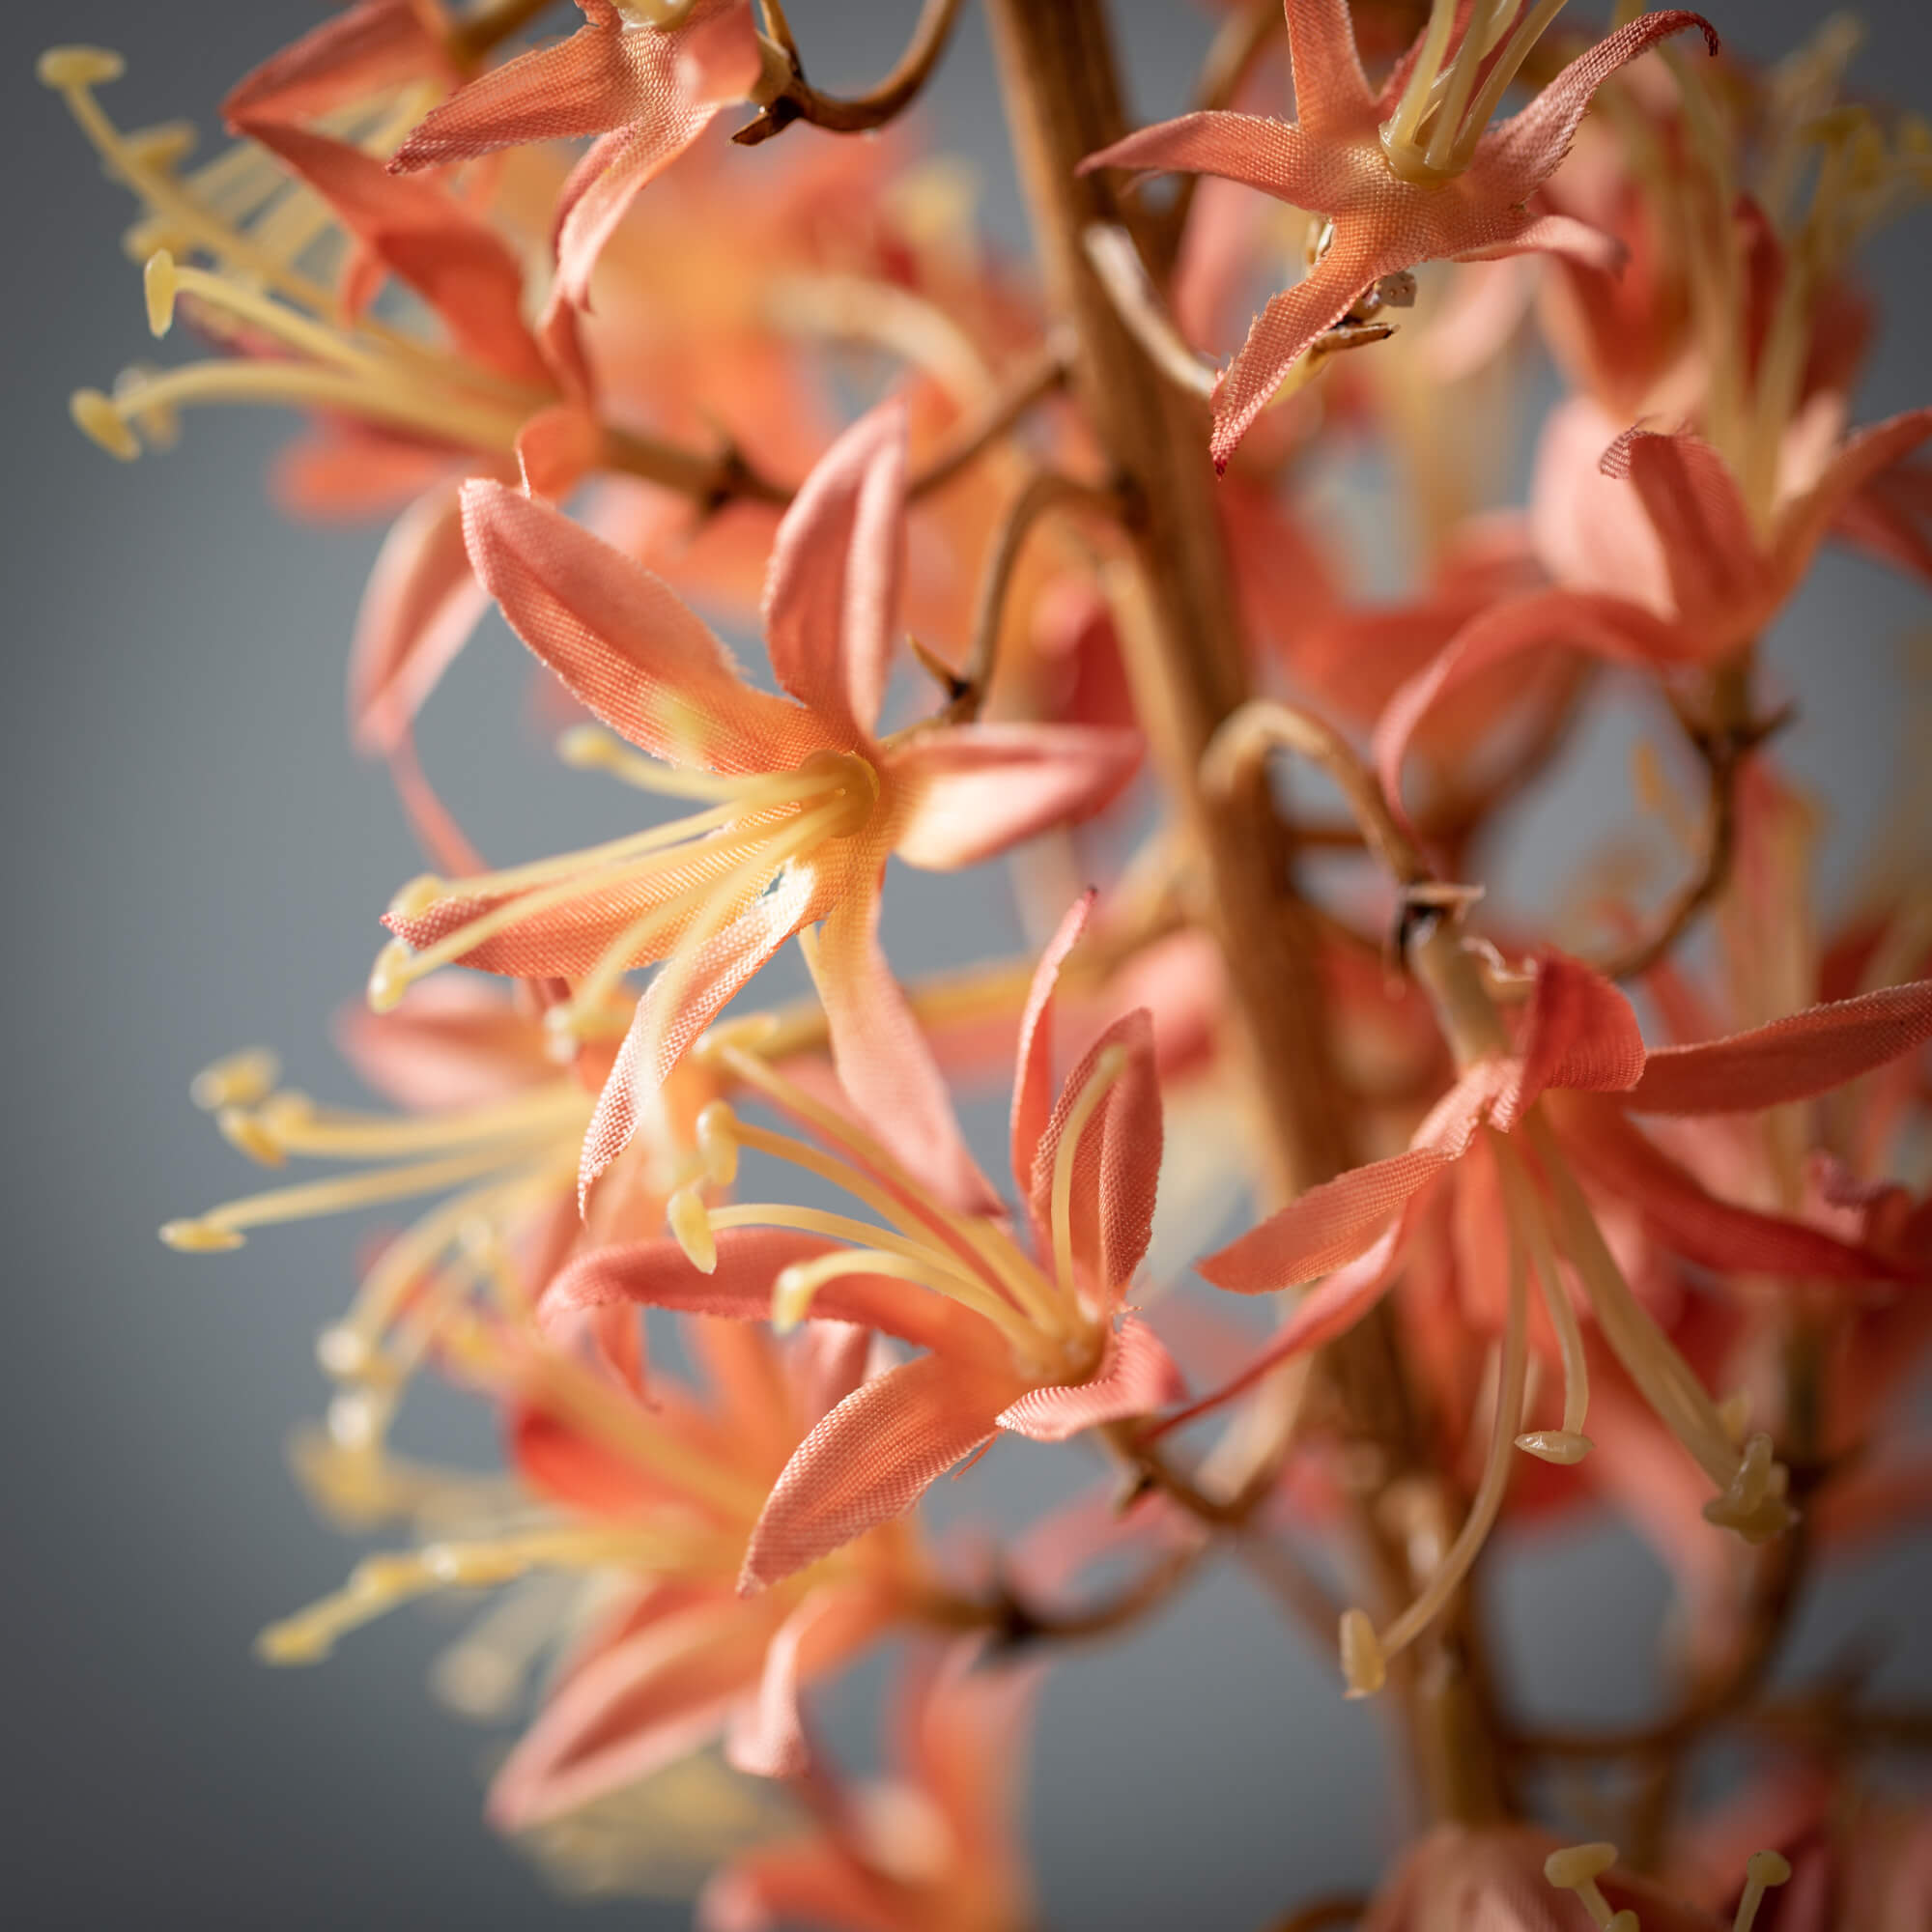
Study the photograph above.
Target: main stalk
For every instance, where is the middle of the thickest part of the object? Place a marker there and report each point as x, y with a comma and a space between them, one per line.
1186, 663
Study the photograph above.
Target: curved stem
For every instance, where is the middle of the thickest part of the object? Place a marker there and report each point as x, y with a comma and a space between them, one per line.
799, 101
1032, 381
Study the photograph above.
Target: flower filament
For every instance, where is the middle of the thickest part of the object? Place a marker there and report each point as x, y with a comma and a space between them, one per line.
1448, 100
294, 347
1056, 1333
686, 879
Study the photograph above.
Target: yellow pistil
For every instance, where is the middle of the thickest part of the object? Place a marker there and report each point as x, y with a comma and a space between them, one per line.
253, 224
1432, 135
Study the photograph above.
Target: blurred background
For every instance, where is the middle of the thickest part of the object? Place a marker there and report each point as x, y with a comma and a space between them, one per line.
195, 862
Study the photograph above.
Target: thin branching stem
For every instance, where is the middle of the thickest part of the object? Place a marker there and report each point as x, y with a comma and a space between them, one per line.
797, 100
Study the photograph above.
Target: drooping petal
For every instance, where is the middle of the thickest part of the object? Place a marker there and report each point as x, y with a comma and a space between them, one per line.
678, 1004
884, 1062
659, 1274
1691, 1221
423, 234
1285, 327
421, 604
1552, 235
1605, 627
871, 1458
623, 641
832, 588
1701, 521
363, 50
1115, 1164
1332, 1224
1797, 1058
1326, 1311
648, 1700
974, 791
557, 450
1136, 1377
766, 1738
1516, 156
1251, 149
1580, 1033
1866, 455
452, 1043
1033, 1067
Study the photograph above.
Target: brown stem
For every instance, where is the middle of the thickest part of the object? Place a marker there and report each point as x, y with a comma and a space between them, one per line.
799, 101
1031, 383
1012, 1621
1187, 670
1320, 1913
710, 478
1043, 492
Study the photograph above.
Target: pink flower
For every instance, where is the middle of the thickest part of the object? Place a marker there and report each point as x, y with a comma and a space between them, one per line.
1018, 1341
806, 800
648, 90
1409, 175
933, 1848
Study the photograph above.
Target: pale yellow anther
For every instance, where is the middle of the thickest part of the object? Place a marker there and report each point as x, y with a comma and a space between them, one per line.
247, 1134
389, 976
691, 1223
791, 1298
1753, 1505
98, 420
1562, 1446
662, 15
588, 747
1364, 1668
1577, 1868
1762, 1871
1734, 1415
415, 898
159, 282
718, 1143
201, 1237
163, 147
66, 68
158, 422
244, 1079
343, 1351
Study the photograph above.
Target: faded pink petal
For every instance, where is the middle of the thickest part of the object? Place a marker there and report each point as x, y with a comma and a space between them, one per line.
1251, 149
645, 1702
1331, 92
832, 589
1605, 627
453, 258
1115, 1164
421, 604
1032, 1072
1797, 1058
977, 789
1865, 457
766, 1738
1136, 1377
623, 641
1551, 235
884, 1062
871, 1458
452, 1043
363, 50
557, 450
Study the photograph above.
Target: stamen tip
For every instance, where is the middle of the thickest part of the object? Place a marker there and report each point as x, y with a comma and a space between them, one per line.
587, 747
1766, 1868
101, 423
1364, 1666
247, 1134
414, 899
389, 976
66, 68
201, 1237
1562, 1446
159, 283
718, 1143
292, 1643
1578, 1864
690, 1225
244, 1079
791, 1298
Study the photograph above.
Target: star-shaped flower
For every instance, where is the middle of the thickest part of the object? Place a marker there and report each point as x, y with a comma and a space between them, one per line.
1412, 173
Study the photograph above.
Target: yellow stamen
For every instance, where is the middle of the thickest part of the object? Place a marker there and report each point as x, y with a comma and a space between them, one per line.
1577, 1868
241, 1079
691, 1225
1568, 1444
1762, 1871
1364, 1668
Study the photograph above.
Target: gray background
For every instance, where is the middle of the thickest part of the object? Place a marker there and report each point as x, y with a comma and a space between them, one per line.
195, 861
